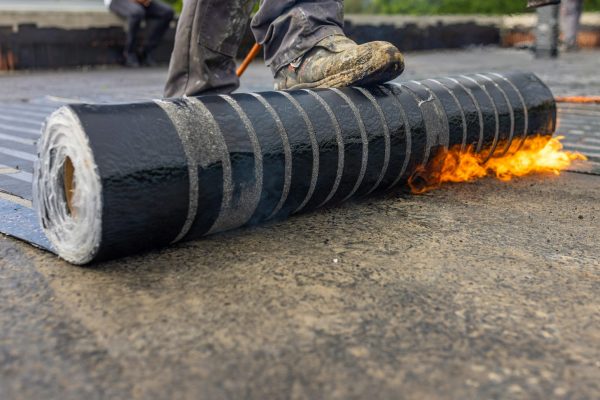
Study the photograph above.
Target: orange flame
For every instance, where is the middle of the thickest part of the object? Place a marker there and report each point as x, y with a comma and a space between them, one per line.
538, 154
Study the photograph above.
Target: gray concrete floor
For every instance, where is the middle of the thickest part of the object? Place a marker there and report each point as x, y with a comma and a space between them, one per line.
482, 290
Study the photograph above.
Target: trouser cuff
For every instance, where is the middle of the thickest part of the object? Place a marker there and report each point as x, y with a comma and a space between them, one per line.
302, 45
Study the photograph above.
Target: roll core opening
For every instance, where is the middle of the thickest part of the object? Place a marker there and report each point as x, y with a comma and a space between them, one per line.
69, 184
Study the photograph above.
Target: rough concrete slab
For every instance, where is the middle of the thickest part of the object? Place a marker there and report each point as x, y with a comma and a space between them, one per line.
483, 290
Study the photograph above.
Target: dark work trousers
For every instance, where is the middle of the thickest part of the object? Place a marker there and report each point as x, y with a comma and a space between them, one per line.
571, 16
158, 16
210, 31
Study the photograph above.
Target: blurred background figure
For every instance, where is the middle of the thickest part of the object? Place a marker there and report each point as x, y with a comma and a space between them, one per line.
571, 16
158, 16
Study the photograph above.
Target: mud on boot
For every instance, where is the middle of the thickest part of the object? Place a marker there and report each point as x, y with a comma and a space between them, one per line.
337, 61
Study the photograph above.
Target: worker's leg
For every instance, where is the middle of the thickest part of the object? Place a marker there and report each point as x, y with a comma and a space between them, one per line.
305, 47
289, 28
160, 16
571, 15
134, 13
208, 35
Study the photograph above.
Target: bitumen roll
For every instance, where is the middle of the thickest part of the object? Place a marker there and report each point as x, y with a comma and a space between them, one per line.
114, 180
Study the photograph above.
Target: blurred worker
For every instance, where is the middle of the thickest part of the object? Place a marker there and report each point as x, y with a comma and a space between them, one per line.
303, 41
159, 16
571, 16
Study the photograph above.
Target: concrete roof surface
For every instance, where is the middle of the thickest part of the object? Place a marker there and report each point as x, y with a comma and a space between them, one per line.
478, 290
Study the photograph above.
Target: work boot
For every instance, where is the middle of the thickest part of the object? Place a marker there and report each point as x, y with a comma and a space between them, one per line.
337, 61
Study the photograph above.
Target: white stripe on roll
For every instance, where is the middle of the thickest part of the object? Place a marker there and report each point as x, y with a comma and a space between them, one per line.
340, 143
215, 151
428, 143
462, 113
496, 115
525, 109
315, 150
184, 131
241, 213
443, 135
510, 110
479, 113
407, 134
386, 137
365, 143
287, 153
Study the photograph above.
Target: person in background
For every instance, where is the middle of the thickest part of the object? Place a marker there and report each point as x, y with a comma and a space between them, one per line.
158, 14
303, 41
571, 15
